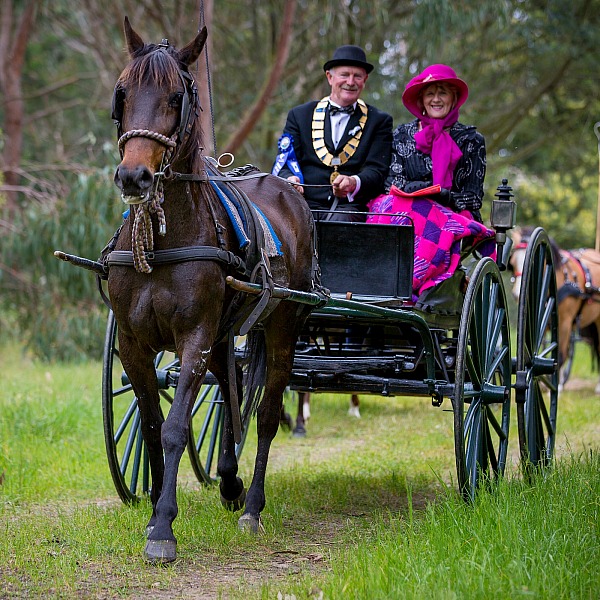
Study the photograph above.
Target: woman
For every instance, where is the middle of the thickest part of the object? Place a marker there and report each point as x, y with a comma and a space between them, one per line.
436, 176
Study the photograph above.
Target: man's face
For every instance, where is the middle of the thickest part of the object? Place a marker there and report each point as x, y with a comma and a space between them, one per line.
346, 83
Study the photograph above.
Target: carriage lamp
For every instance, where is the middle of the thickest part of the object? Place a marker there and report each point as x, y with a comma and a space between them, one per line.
503, 218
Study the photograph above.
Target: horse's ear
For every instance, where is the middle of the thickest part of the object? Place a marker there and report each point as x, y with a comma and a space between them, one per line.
134, 41
191, 52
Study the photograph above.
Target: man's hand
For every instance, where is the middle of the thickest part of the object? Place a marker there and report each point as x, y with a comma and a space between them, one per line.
343, 185
296, 179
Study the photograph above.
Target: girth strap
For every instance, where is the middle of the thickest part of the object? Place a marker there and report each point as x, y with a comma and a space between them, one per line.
178, 255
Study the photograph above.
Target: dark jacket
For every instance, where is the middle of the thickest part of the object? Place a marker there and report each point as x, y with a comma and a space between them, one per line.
370, 161
410, 164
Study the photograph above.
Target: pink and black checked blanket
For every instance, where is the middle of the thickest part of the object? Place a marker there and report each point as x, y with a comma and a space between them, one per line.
438, 232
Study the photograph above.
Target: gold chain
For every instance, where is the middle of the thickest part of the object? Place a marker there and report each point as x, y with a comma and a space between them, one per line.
318, 137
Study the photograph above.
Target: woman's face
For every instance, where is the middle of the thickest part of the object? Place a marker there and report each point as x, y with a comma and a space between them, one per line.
438, 100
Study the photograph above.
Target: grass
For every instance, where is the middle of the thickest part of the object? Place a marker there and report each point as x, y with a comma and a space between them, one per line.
358, 509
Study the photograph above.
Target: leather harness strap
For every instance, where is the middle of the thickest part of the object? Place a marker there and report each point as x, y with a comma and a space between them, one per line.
124, 258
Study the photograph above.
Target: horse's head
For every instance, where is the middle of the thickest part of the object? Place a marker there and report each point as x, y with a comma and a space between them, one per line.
517, 259
155, 106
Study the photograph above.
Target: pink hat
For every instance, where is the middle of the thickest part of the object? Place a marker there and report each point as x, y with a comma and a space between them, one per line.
432, 74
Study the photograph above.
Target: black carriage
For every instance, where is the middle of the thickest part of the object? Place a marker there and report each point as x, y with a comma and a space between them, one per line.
366, 335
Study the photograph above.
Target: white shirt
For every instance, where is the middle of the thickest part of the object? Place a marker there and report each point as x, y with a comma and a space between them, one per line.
338, 125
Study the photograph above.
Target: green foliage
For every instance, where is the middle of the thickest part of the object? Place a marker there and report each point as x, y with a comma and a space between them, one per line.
564, 204
56, 306
527, 64
514, 542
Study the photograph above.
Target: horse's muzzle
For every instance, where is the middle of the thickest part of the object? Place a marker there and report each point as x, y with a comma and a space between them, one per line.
134, 183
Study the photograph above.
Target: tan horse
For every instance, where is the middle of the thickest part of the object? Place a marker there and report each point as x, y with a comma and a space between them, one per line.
577, 282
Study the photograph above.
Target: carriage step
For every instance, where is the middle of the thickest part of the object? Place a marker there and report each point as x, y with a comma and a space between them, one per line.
335, 364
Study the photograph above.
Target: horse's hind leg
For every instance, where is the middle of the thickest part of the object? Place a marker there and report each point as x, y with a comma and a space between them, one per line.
280, 343
231, 486
303, 414
354, 410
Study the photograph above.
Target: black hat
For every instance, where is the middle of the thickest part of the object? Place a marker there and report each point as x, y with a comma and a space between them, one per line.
353, 56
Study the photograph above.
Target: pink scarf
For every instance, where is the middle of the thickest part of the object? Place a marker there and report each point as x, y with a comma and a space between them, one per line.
433, 139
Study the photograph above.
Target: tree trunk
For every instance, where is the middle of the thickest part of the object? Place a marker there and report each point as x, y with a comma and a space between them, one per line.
203, 78
14, 36
253, 115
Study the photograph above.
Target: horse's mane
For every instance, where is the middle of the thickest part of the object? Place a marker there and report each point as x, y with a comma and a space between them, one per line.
157, 64
526, 236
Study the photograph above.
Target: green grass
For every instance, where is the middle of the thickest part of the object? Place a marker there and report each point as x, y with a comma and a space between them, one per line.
358, 509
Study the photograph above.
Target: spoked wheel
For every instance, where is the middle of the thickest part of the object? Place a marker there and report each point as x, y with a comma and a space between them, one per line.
125, 448
537, 356
482, 386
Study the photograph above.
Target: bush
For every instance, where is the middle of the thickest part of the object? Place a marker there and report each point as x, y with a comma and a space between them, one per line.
54, 307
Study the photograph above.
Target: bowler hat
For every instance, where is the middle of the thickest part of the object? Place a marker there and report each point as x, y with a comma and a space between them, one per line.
352, 56
432, 74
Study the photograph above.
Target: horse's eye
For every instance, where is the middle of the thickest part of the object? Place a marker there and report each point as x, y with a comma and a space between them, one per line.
175, 100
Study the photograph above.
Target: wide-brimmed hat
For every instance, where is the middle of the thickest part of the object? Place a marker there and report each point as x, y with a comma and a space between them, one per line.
352, 56
432, 74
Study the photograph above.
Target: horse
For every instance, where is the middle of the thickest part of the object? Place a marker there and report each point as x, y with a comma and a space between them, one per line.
170, 291
578, 297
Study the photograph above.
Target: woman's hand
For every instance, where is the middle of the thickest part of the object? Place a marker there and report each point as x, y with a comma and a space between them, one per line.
415, 186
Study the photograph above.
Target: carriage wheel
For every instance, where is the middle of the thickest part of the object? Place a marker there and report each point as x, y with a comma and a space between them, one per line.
125, 448
482, 386
537, 356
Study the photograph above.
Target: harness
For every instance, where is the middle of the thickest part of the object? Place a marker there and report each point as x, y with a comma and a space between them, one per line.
571, 285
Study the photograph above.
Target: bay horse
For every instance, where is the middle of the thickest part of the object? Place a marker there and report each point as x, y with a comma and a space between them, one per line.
169, 291
578, 297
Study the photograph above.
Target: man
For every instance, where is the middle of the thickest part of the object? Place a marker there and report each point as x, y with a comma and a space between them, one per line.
339, 144
342, 146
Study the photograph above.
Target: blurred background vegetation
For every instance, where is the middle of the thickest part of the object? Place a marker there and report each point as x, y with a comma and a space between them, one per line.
530, 65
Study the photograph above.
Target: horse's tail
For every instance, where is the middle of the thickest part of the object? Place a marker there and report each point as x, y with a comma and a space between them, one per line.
591, 335
256, 358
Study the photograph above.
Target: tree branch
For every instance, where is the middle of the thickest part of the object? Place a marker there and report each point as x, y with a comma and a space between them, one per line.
256, 111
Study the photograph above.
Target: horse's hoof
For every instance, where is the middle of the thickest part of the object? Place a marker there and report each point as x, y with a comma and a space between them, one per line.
354, 411
299, 432
234, 505
250, 524
160, 551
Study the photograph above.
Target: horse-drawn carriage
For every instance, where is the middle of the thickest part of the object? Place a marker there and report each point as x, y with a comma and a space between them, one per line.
183, 298
368, 336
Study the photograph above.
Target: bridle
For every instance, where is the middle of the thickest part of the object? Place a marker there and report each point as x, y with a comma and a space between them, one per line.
188, 113
151, 202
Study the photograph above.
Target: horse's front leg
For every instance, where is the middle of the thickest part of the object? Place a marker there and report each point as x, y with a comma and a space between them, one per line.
141, 372
161, 544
